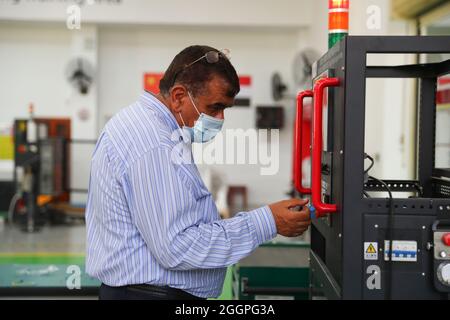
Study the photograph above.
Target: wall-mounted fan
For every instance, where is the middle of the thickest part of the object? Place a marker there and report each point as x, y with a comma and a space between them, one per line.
302, 71
80, 74
302, 67
278, 87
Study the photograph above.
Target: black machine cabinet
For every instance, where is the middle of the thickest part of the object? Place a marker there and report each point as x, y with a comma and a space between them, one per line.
350, 248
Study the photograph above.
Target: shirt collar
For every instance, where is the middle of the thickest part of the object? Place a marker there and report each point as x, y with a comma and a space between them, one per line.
149, 100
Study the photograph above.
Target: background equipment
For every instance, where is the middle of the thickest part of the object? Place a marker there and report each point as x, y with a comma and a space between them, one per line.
40, 168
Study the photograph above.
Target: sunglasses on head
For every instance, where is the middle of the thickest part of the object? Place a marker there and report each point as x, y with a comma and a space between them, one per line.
210, 56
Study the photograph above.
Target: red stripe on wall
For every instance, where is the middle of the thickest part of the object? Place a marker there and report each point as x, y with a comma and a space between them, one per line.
443, 96
444, 80
151, 81
245, 80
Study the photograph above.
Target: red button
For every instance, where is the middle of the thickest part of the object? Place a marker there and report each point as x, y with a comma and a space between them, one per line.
21, 148
446, 239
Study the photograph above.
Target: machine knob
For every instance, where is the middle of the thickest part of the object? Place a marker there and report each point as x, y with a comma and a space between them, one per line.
443, 273
442, 254
446, 239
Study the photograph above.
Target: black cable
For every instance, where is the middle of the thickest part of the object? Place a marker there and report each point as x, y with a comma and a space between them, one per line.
389, 234
366, 177
366, 156
390, 227
419, 189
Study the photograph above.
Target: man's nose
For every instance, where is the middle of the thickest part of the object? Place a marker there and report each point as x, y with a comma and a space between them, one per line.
221, 115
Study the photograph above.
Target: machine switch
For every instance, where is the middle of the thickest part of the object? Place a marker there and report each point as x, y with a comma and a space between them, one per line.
446, 239
443, 273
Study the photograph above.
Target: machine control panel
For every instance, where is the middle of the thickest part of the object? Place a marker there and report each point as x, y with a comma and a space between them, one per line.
442, 245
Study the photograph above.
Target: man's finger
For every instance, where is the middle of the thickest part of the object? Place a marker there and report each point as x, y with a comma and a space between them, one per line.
298, 233
304, 224
302, 230
295, 202
302, 215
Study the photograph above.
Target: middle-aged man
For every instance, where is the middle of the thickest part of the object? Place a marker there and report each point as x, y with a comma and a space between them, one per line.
153, 230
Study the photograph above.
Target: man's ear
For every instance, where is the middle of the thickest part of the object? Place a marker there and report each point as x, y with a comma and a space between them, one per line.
177, 95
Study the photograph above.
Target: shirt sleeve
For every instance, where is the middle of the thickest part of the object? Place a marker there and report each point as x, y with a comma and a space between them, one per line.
171, 220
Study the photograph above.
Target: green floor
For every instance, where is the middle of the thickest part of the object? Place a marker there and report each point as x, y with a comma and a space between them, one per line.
41, 259
18, 270
41, 270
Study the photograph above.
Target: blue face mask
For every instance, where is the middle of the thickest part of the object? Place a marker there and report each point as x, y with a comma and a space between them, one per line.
205, 127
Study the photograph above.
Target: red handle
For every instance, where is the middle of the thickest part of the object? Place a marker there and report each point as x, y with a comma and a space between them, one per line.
298, 143
316, 183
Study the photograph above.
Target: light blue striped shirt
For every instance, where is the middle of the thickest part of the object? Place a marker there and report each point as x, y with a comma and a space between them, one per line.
151, 219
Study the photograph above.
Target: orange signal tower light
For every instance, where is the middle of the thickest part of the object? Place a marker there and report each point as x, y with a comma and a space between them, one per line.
337, 20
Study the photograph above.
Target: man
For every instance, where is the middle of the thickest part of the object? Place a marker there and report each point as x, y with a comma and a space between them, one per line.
153, 230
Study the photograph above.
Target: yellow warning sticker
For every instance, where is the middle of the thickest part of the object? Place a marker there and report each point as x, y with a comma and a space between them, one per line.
370, 250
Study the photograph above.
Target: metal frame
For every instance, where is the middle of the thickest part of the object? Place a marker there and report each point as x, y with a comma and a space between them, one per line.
337, 264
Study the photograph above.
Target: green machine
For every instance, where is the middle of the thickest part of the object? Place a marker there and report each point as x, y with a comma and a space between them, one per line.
275, 270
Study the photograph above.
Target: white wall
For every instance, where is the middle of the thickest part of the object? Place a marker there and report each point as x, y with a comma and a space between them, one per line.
126, 53
33, 57
37, 46
33, 60
255, 13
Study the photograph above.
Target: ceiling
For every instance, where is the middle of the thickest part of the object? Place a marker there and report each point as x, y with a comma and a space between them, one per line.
410, 9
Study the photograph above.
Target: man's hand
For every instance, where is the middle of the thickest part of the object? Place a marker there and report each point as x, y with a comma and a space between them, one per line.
291, 223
